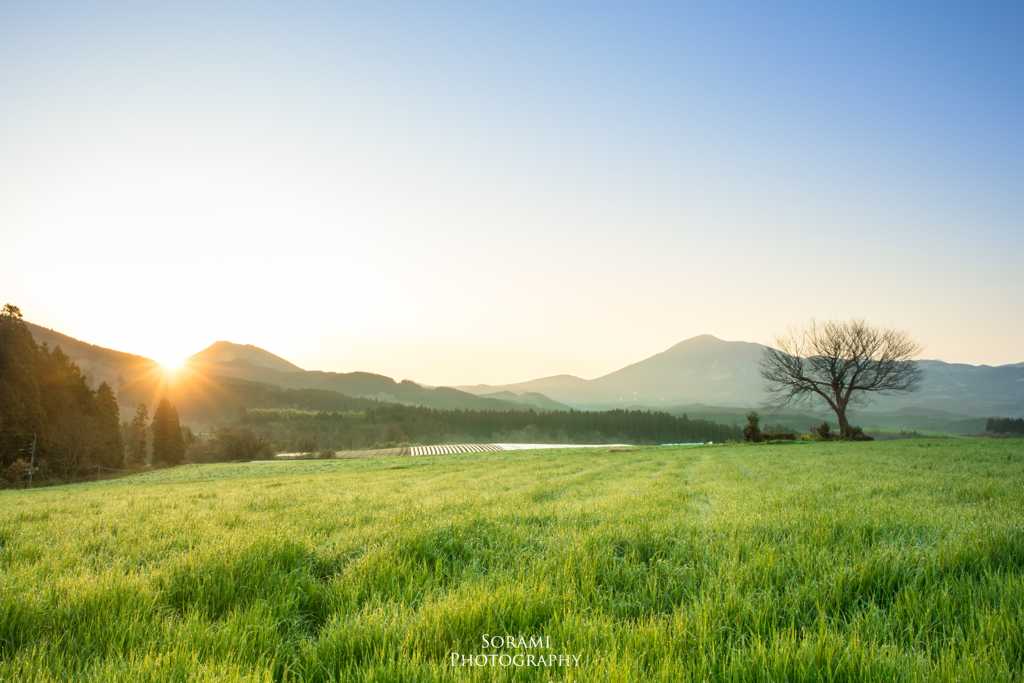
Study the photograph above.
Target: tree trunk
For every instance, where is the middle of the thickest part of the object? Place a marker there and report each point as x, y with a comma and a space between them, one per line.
844, 424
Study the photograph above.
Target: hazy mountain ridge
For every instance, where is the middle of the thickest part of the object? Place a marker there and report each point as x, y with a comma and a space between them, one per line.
228, 352
701, 370
530, 398
708, 370
356, 384
224, 378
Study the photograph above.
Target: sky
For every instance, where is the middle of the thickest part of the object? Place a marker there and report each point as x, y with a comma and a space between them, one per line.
463, 193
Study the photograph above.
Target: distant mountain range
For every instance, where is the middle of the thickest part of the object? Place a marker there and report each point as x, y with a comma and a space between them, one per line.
703, 375
220, 380
251, 363
707, 370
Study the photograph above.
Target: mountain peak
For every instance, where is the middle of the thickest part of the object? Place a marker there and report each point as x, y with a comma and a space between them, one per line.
698, 343
246, 354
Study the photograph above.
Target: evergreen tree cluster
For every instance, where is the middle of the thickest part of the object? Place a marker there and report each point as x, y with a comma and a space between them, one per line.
168, 443
391, 423
1005, 425
44, 398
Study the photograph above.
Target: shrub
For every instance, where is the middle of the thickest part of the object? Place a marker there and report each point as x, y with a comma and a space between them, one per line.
857, 434
201, 452
779, 436
240, 443
307, 445
14, 476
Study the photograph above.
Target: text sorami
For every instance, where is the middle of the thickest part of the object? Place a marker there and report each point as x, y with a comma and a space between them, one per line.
516, 658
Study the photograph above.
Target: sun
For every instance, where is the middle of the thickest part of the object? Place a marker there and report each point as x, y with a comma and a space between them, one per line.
172, 363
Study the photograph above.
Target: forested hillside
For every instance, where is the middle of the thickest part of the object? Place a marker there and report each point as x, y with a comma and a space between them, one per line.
1005, 426
201, 397
47, 410
98, 364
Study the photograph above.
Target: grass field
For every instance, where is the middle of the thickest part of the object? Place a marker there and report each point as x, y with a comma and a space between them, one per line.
922, 432
896, 561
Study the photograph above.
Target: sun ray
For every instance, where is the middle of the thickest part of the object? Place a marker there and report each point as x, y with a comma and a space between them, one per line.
189, 388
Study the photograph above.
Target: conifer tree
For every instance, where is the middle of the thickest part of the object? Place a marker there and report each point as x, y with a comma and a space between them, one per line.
111, 447
137, 436
168, 444
21, 409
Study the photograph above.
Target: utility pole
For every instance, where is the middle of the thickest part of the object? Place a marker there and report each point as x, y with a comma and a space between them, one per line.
32, 464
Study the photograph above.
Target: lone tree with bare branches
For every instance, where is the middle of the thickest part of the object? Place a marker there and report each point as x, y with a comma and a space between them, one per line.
840, 364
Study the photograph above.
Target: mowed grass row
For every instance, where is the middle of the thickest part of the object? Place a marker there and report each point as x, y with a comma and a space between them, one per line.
894, 561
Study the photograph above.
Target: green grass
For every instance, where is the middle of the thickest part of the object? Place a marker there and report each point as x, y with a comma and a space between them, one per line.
922, 432
895, 561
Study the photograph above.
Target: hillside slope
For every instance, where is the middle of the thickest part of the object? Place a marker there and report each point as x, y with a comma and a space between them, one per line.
530, 398
97, 363
701, 369
245, 354
242, 362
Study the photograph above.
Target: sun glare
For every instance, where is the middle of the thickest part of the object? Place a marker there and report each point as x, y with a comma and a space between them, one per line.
173, 364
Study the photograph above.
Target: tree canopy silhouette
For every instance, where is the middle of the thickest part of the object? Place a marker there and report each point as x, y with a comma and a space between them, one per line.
168, 443
839, 364
45, 400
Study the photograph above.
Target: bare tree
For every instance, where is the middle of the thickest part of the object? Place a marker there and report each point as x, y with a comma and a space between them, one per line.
839, 363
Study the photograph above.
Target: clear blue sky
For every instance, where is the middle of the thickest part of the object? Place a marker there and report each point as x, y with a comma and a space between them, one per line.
474, 192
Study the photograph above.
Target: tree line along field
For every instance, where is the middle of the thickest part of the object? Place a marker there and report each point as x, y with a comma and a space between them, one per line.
888, 561
399, 423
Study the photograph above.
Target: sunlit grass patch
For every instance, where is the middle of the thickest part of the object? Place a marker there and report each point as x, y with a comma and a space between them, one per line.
843, 561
